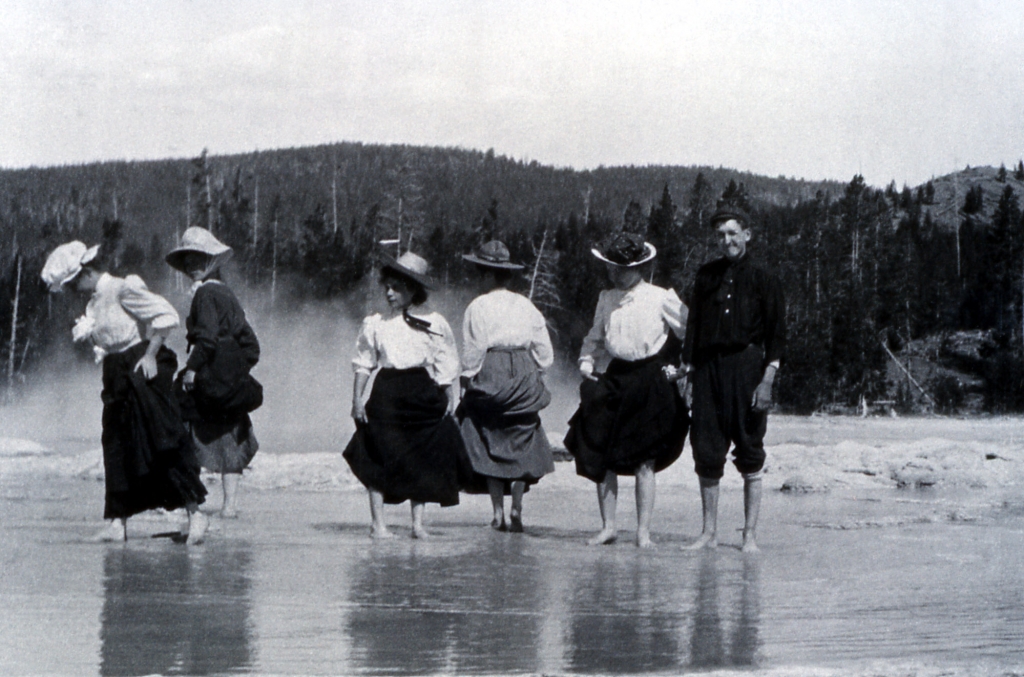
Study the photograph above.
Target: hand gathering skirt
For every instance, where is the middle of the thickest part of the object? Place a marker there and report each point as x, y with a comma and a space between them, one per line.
148, 458
409, 448
224, 447
630, 415
500, 421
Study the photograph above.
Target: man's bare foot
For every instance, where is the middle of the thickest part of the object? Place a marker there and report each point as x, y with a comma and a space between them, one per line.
605, 537
197, 525
749, 545
420, 532
705, 541
114, 532
643, 540
380, 533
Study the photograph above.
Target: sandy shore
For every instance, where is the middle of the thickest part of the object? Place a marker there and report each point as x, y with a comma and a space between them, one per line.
897, 548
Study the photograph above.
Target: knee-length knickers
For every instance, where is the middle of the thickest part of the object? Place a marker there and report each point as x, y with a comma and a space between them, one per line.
409, 448
630, 415
723, 391
500, 421
148, 458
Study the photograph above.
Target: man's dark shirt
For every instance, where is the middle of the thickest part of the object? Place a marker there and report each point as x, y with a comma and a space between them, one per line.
735, 305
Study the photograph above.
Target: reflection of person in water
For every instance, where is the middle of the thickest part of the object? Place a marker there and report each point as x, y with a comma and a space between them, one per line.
400, 623
166, 611
707, 637
622, 621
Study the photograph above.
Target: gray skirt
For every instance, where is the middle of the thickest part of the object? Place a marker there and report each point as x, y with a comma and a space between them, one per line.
225, 448
500, 421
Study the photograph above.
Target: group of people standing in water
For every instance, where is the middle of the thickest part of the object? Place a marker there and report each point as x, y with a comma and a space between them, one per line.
434, 425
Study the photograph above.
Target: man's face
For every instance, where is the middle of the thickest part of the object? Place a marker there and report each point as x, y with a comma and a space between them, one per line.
733, 239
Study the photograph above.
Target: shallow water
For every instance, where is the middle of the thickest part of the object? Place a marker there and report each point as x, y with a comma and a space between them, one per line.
848, 581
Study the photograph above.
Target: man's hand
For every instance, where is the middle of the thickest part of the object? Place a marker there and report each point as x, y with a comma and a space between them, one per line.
763, 394
148, 366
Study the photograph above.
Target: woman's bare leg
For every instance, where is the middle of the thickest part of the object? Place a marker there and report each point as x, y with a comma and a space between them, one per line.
607, 498
115, 531
197, 524
418, 530
229, 482
644, 503
379, 528
518, 488
496, 488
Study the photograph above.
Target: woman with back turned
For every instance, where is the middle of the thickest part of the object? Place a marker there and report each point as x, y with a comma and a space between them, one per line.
148, 459
406, 446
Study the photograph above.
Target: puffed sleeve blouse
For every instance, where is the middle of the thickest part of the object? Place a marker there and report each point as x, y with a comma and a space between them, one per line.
121, 312
503, 319
391, 343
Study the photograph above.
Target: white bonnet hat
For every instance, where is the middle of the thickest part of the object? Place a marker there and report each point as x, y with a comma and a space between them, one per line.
65, 262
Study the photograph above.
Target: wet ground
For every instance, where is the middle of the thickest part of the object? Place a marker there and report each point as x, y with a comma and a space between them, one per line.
856, 582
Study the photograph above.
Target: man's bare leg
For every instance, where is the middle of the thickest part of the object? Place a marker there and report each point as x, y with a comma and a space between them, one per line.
644, 503
496, 488
709, 503
607, 498
418, 530
379, 529
516, 515
751, 510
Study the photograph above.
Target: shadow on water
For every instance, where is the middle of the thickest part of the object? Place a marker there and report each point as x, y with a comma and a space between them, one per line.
480, 612
176, 610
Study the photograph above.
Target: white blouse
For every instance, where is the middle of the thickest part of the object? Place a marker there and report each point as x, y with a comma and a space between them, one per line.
120, 312
632, 324
503, 319
390, 343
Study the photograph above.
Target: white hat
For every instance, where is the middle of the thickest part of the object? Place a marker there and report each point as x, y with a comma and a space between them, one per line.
65, 262
196, 239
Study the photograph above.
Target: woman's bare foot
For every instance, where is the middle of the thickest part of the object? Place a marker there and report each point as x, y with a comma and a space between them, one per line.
516, 527
420, 532
749, 544
115, 532
604, 537
197, 525
499, 526
380, 533
229, 513
643, 540
705, 541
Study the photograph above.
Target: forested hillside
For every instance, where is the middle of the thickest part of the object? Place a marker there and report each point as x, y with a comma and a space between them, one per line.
865, 269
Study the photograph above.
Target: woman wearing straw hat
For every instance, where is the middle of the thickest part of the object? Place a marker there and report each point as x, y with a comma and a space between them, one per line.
505, 349
631, 419
217, 391
407, 446
148, 459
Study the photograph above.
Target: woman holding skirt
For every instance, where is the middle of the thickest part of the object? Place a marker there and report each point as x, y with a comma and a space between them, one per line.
222, 349
631, 419
407, 446
505, 350
148, 459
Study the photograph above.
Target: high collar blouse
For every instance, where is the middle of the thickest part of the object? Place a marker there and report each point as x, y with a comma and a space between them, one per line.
121, 312
390, 343
503, 319
632, 324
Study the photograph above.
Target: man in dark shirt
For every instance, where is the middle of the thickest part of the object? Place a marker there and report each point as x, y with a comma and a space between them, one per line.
734, 340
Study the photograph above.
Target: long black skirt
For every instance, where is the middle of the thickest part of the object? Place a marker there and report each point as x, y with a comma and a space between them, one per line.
500, 421
148, 458
409, 449
630, 415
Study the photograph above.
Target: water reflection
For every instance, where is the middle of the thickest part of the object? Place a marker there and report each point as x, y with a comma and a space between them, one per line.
623, 619
707, 637
176, 610
478, 612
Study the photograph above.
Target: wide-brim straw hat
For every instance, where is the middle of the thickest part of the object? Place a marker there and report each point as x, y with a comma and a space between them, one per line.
196, 239
627, 250
65, 263
410, 266
493, 254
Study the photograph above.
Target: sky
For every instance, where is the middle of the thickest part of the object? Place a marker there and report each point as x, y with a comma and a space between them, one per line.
815, 89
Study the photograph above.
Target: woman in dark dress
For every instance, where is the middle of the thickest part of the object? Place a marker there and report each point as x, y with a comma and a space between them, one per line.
148, 459
407, 446
631, 419
505, 350
222, 350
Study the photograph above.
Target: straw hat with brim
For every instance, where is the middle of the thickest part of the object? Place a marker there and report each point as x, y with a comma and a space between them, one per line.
493, 254
199, 240
723, 214
625, 249
65, 263
410, 266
